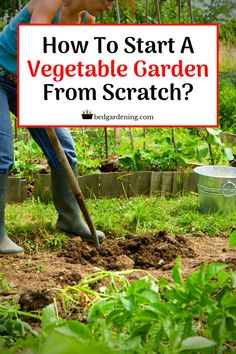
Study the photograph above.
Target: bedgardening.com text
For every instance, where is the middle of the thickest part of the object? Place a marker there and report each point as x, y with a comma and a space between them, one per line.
107, 117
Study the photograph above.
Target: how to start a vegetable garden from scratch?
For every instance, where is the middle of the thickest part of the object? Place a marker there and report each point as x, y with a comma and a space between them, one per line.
164, 278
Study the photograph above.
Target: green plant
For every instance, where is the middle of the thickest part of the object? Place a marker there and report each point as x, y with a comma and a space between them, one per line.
55, 241
146, 316
39, 268
227, 105
28, 262
27, 156
165, 149
138, 161
88, 165
160, 317
11, 326
213, 147
4, 286
228, 30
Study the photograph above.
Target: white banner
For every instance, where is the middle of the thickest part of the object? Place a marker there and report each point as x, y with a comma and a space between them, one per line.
118, 75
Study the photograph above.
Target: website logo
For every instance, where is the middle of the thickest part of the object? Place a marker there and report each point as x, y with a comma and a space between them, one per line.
87, 114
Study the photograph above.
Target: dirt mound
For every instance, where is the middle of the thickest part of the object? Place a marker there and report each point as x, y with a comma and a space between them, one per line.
37, 299
68, 278
47, 271
158, 251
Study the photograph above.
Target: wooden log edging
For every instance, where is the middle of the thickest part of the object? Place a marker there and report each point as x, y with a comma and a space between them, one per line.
17, 190
112, 185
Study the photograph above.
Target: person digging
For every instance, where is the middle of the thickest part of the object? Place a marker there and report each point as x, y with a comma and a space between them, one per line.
49, 12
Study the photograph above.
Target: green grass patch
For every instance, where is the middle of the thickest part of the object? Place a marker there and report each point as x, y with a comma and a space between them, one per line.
144, 215
227, 57
33, 223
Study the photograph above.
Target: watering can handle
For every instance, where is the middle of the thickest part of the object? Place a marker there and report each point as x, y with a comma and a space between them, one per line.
232, 191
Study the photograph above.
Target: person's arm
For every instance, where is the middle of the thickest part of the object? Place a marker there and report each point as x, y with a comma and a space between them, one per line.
45, 11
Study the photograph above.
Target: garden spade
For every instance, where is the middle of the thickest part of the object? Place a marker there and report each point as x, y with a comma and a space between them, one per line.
72, 182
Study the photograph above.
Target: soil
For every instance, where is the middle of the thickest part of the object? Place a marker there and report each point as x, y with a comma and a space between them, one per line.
135, 252
34, 278
111, 165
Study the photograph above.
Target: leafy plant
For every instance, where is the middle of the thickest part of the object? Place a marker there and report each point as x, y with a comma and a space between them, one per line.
213, 147
160, 317
27, 156
11, 326
138, 160
146, 316
163, 158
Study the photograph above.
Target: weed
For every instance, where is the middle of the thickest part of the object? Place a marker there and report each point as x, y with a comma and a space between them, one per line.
39, 268
28, 262
4, 285
55, 241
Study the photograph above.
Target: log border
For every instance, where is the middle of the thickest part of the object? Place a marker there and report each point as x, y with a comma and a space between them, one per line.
111, 185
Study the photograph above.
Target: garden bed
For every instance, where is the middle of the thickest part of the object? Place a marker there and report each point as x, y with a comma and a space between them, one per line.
35, 277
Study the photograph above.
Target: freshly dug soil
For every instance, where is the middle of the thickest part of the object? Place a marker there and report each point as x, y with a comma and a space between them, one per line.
33, 278
36, 299
135, 252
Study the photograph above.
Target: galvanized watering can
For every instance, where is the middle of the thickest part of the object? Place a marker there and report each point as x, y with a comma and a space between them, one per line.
216, 188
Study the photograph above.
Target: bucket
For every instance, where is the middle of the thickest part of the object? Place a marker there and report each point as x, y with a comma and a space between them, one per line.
216, 188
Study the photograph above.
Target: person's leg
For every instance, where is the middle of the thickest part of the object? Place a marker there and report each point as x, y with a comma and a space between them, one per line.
6, 139
6, 162
69, 218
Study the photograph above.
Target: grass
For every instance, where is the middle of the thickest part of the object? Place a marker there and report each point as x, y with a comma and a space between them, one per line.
32, 223
227, 57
